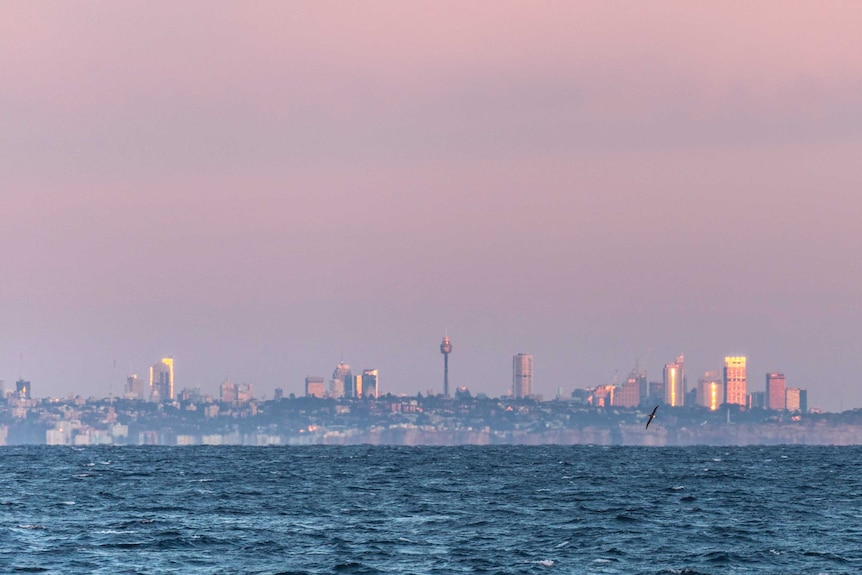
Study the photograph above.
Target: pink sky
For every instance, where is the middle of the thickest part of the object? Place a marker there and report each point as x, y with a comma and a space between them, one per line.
259, 189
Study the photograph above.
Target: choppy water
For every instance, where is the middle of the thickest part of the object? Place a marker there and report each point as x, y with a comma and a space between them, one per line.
431, 510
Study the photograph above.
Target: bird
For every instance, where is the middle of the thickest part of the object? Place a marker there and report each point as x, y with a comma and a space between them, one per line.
651, 417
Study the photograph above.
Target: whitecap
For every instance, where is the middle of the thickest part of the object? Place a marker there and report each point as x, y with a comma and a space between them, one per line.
678, 487
545, 562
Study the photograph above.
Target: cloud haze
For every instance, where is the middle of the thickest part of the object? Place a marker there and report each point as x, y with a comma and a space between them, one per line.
260, 189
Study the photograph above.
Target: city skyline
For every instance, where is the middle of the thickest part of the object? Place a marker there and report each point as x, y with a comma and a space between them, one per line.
260, 190
712, 389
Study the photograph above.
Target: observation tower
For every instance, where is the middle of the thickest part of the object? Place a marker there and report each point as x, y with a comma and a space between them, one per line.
446, 349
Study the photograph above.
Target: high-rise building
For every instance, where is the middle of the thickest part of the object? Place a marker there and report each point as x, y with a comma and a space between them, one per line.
228, 391
342, 381
633, 390
522, 375
314, 386
162, 380
796, 399
370, 382
710, 390
734, 381
244, 392
775, 391
756, 399
22, 388
674, 383
136, 388
603, 396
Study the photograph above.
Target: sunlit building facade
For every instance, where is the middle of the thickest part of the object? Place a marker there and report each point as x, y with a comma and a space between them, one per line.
162, 380
342, 382
522, 375
710, 390
314, 386
632, 391
603, 396
370, 383
734, 381
22, 389
775, 391
796, 399
674, 383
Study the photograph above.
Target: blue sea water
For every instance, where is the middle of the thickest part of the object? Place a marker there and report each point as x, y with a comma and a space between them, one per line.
494, 509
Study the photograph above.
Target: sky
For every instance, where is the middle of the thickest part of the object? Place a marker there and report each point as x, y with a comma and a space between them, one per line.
261, 190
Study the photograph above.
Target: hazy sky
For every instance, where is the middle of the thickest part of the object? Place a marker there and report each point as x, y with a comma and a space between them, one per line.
260, 189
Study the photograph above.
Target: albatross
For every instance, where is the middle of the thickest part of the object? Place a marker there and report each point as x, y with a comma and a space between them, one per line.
651, 417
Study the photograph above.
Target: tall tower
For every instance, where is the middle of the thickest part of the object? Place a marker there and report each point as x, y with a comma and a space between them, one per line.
734, 380
710, 390
162, 379
674, 383
775, 391
370, 383
342, 381
446, 349
522, 375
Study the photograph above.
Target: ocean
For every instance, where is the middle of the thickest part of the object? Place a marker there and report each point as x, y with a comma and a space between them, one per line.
434, 510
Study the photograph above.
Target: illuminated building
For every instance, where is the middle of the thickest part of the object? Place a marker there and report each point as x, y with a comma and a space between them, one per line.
162, 380
522, 375
314, 387
710, 390
674, 383
775, 391
603, 396
370, 382
796, 399
22, 388
632, 390
342, 381
734, 381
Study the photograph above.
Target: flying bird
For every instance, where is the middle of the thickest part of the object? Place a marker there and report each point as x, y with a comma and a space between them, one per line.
651, 417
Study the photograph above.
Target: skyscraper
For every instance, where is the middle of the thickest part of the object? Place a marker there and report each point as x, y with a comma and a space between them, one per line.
135, 388
633, 390
162, 380
797, 399
314, 387
22, 388
342, 381
775, 391
710, 390
674, 383
370, 382
734, 380
522, 375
